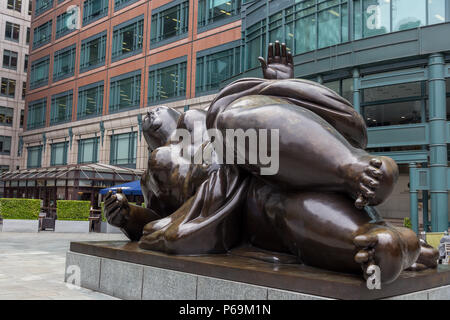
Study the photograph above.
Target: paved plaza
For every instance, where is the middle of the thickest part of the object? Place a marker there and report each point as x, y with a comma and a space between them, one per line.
32, 265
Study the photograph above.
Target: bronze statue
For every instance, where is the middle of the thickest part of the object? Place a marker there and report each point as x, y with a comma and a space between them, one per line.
317, 207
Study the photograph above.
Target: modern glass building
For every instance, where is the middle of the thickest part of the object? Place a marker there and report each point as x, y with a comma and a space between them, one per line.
390, 58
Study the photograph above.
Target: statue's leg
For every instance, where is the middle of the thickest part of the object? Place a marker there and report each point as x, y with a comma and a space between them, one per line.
312, 154
325, 230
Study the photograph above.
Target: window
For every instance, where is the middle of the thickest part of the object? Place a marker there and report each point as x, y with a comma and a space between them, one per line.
64, 63
4, 168
30, 7
28, 35
374, 17
88, 150
25, 63
9, 59
436, 11
212, 69
342, 87
42, 6
58, 153
6, 116
170, 22
93, 51
90, 100
333, 23
42, 34
39, 72
22, 117
61, 108
167, 82
125, 92
394, 105
8, 87
123, 150
93, 10
61, 23
210, 11
119, 4
24, 90
5, 145
12, 31
15, 5
255, 44
34, 157
405, 16
36, 114
128, 39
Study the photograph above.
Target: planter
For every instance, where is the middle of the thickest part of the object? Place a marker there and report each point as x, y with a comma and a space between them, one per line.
68, 226
107, 228
19, 225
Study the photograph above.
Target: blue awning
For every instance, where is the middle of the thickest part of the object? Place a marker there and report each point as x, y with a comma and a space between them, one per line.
129, 188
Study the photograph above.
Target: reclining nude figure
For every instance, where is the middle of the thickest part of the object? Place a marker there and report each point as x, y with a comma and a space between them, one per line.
317, 207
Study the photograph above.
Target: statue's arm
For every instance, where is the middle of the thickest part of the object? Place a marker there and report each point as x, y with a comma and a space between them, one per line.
138, 218
279, 64
130, 218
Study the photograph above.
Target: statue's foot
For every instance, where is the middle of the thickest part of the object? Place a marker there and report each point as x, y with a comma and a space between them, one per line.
428, 258
384, 247
372, 179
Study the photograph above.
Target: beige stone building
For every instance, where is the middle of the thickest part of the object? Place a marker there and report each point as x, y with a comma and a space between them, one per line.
15, 16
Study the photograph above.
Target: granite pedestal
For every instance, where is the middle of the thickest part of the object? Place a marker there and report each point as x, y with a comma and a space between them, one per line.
123, 270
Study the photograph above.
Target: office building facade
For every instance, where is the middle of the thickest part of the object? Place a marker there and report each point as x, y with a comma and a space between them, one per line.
15, 16
90, 87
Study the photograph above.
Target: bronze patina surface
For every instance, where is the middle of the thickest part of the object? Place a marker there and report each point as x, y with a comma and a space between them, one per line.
291, 277
319, 205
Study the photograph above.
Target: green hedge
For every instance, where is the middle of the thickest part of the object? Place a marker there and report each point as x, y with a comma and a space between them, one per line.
11, 208
73, 210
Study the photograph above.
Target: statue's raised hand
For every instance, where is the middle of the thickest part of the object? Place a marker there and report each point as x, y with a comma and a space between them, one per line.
279, 64
117, 209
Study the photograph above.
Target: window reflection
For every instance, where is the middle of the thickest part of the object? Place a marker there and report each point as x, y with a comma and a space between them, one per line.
406, 16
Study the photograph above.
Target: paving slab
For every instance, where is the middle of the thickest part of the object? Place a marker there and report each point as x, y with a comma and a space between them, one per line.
33, 266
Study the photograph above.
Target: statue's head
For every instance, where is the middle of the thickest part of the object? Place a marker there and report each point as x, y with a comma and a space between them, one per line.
159, 123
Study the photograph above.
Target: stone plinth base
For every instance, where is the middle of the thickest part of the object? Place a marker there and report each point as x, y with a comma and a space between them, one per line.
123, 270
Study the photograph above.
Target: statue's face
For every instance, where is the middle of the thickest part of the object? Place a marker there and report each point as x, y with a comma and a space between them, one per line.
159, 123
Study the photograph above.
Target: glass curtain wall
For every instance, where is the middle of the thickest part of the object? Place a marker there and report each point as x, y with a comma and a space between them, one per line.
314, 24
